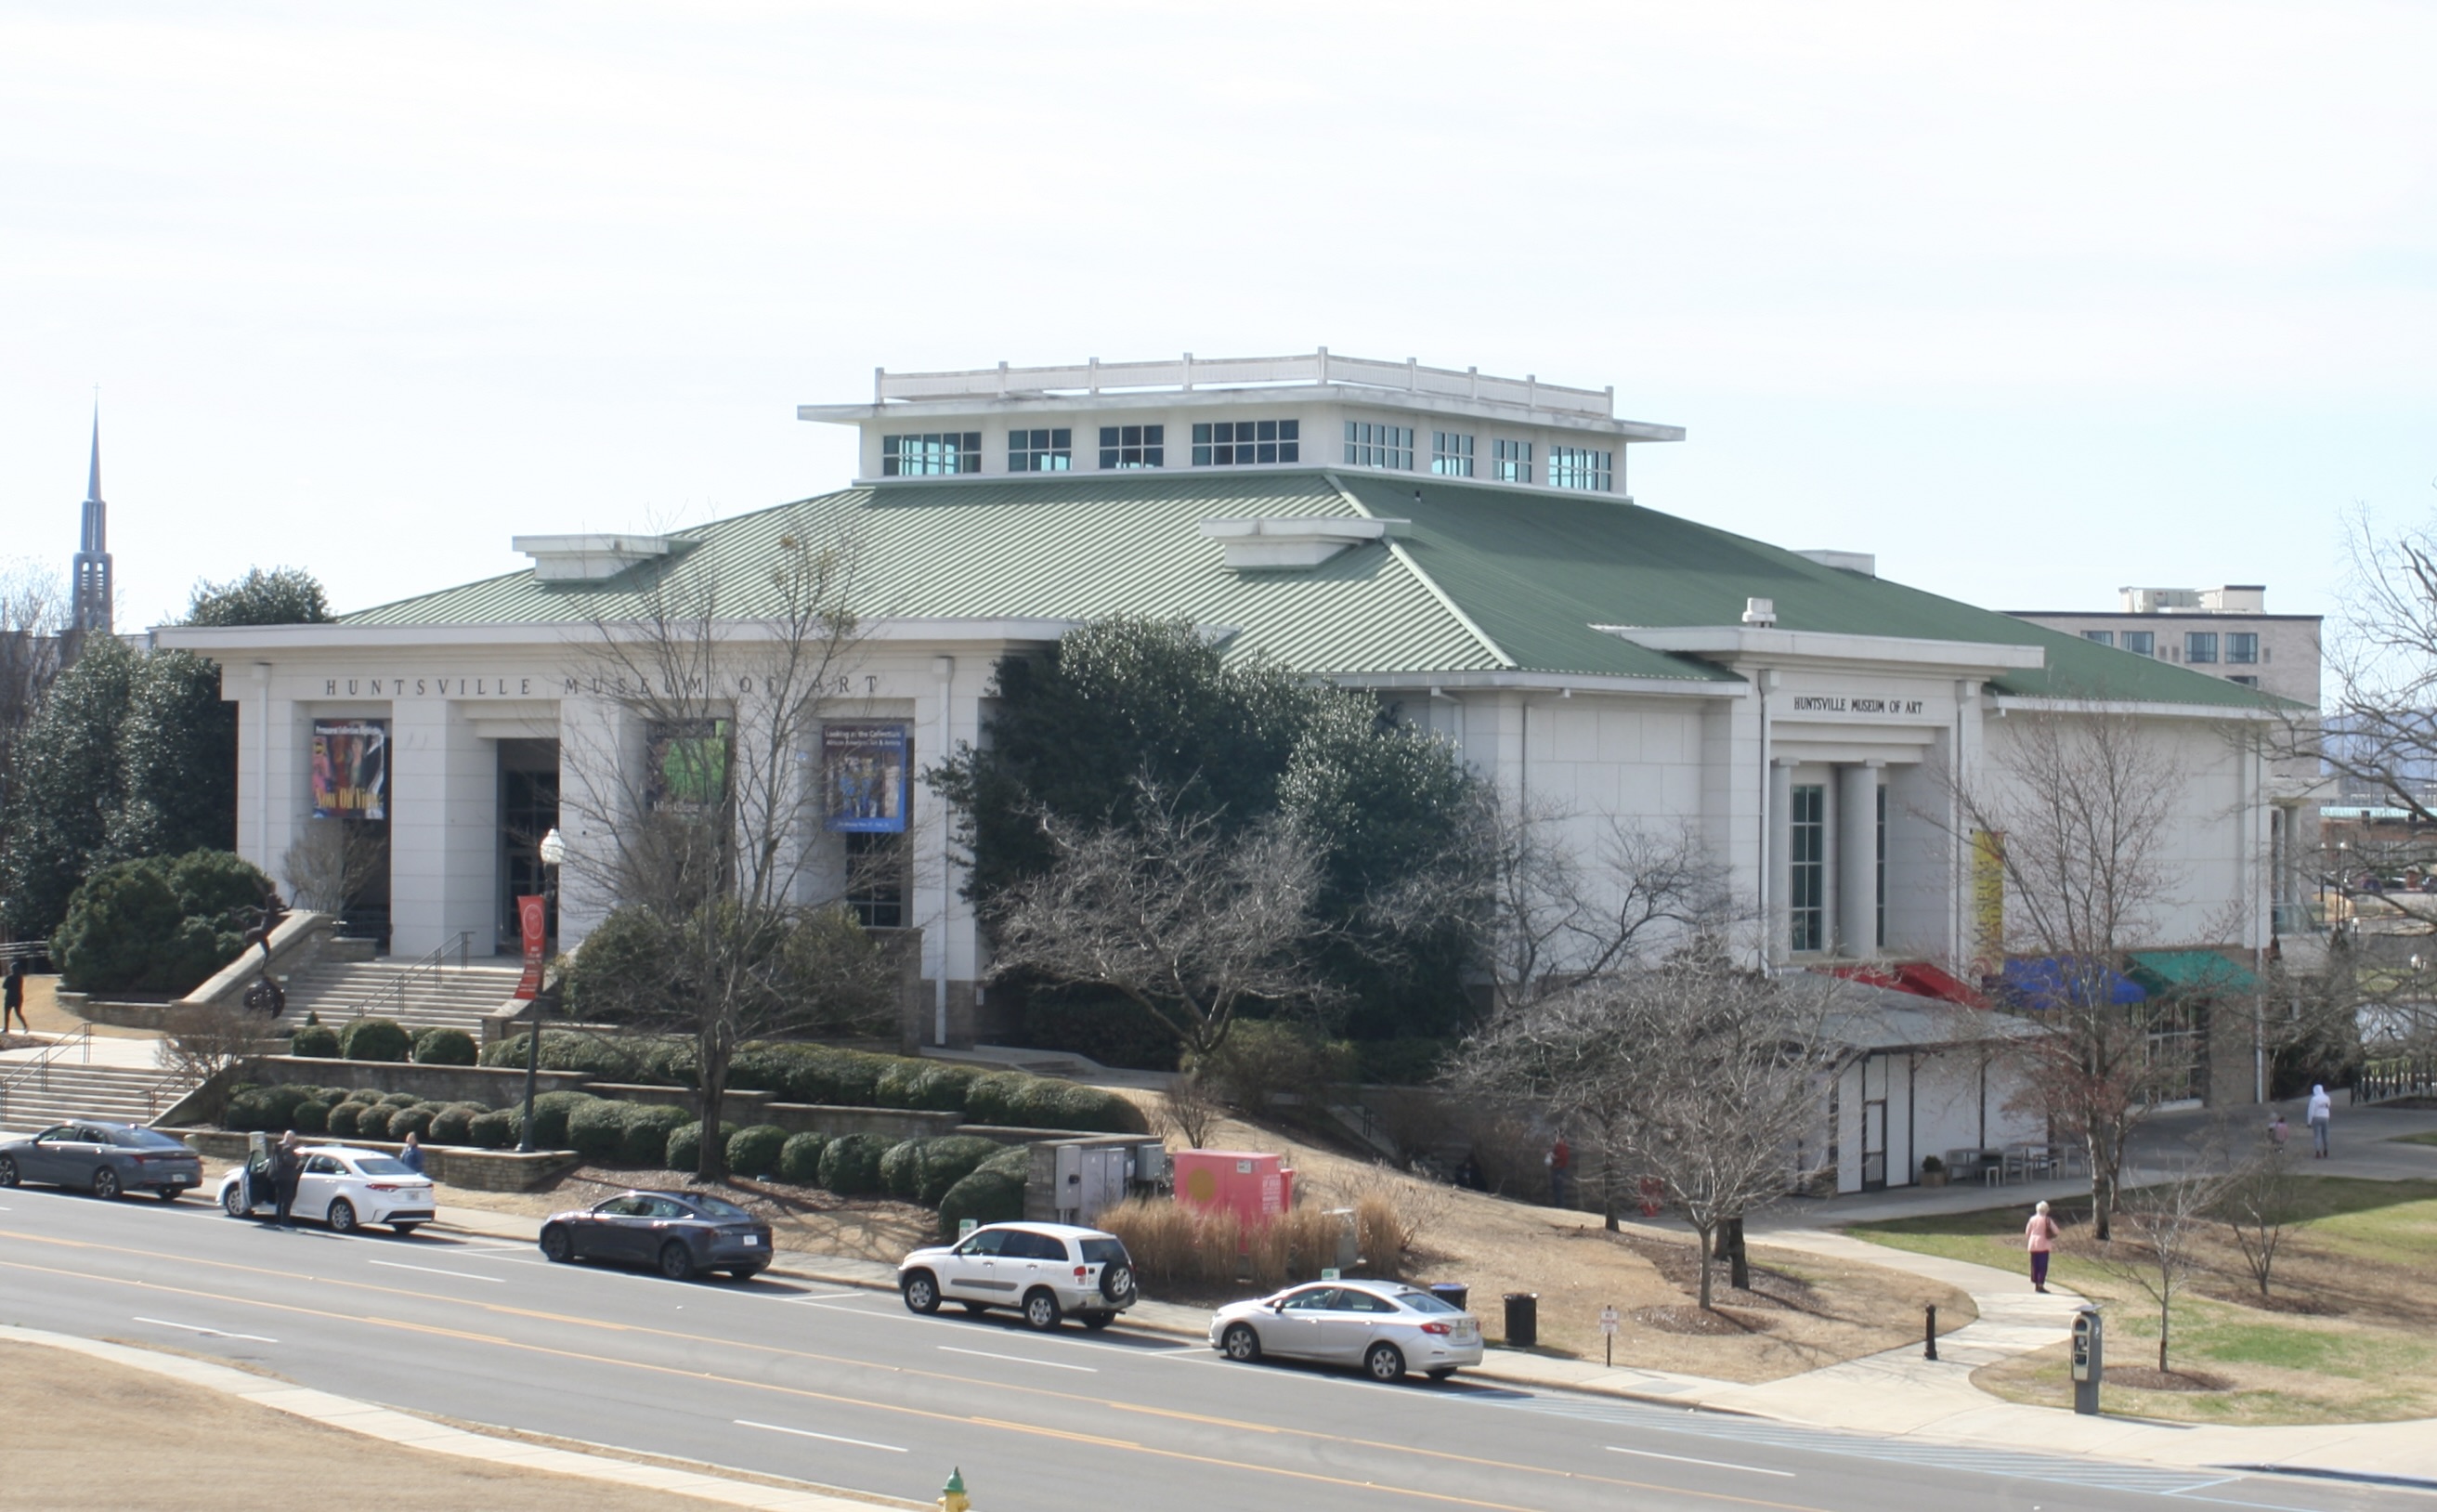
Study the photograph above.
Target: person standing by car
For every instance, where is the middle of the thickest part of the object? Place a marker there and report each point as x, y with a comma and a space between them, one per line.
2040, 1235
2322, 1110
411, 1154
12, 998
287, 1168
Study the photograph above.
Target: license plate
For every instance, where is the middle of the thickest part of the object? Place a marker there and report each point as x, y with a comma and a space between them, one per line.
751, 1240
1465, 1330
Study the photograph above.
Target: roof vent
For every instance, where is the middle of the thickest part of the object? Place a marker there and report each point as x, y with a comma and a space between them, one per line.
590, 558
1762, 613
1865, 563
1294, 544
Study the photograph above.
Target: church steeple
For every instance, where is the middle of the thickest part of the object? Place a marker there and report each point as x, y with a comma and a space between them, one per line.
90, 605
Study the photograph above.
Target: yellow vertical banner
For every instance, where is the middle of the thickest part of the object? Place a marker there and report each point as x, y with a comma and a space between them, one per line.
1987, 901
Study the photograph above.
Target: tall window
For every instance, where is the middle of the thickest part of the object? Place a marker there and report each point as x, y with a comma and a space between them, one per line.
1511, 461
1808, 897
875, 879
2101, 636
1581, 467
2141, 642
1379, 445
1243, 443
2199, 645
1134, 445
929, 456
1041, 451
2242, 647
1450, 453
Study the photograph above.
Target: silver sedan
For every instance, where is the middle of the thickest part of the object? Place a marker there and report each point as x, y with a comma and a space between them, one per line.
1387, 1327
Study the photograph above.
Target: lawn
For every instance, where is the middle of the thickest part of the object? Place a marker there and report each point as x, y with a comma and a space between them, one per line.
2349, 1334
2428, 1139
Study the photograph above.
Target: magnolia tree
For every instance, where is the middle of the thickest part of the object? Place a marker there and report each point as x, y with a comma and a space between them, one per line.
726, 926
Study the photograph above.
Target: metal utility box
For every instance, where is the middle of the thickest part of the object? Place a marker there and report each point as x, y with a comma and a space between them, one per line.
1072, 1181
1254, 1186
2089, 1361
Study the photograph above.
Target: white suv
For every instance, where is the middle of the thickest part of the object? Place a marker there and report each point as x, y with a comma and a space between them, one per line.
1046, 1270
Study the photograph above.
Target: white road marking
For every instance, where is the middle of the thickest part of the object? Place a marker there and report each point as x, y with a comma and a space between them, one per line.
197, 1328
462, 1275
806, 1432
1685, 1459
820, 1297
1021, 1360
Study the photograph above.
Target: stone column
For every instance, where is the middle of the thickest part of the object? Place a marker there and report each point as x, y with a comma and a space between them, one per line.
1780, 858
1857, 859
444, 831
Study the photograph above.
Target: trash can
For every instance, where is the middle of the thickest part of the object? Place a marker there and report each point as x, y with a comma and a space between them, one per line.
1454, 1293
1522, 1319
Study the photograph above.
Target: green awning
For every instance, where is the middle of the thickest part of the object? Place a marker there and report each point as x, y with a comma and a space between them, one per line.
2191, 972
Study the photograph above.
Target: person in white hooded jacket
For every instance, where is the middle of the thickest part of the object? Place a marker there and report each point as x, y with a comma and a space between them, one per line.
2322, 1108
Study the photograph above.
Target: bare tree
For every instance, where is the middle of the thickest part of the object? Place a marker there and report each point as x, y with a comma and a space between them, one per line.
1187, 1110
2260, 1201
1185, 921
726, 928
328, 864
2164, 1223
206, 1039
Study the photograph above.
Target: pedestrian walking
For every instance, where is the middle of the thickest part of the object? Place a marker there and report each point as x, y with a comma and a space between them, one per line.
2039, 1233
410, 1156
12, 998
2278, 1129
286, 1166
2322, 1108
1560, 1160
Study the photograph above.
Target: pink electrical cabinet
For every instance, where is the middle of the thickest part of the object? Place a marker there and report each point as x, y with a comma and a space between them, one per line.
1254, 1187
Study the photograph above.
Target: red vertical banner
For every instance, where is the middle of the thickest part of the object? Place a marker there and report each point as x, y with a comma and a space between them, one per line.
533, 921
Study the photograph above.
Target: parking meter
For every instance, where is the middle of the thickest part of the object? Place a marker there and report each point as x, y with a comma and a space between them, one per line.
2089, 1361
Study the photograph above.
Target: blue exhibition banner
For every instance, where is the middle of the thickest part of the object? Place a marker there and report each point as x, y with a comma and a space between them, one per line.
866, 771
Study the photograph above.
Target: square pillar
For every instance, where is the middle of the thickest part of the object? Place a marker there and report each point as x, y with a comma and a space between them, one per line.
1780, 858
444, 831
1857, 859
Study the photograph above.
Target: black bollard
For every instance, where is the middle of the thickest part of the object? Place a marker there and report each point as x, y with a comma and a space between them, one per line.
1929, 1348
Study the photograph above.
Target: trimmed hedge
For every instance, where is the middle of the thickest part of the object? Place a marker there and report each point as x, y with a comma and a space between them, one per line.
850, 1165
993, 1193
451, 1125
800, 1159
755, 1151
1021, 1101
597, 1130
496, 1130
400, 1100
684, 1151
375, 1039
342, 1121
647, 1133
316, 1041
444, 1046
415, 1120
901, 1169
312, 1115
552, 1111
948, 1161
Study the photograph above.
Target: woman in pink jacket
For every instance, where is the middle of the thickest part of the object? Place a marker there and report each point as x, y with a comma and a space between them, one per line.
2040, 1234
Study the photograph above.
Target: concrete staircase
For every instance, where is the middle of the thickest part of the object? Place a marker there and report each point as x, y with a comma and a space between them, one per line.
418, 996
65, 1089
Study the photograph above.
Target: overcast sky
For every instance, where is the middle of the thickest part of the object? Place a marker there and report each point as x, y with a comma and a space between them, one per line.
2031, 300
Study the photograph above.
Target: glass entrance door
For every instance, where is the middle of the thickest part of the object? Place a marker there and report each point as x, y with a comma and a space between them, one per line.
1874, 1145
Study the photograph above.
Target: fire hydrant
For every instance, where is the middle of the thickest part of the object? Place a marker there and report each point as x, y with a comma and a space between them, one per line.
951, 1495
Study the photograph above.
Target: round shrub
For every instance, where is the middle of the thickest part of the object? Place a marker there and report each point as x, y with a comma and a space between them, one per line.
400, 1100
372, 1119
895, 1087
415, 1120
597, 1130
312, 1115
850, 1165
948, 1161
684, 1144
364, 1095
450, 1126
496, 1130
249, 1109
317, 1041
283, 1101
647, 1134
754, 1151
943, 1089
991, 1098
342, 1119
901, 1169
799, 1158
375, 1039
443, 1046
552, 1111
993, 1193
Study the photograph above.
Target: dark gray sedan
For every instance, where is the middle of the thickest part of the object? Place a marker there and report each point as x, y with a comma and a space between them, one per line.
679, 1234
102, 1158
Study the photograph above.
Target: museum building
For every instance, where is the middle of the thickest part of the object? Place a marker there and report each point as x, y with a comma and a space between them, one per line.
1458, 543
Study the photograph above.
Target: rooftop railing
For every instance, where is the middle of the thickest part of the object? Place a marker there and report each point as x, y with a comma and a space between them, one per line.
1188, 372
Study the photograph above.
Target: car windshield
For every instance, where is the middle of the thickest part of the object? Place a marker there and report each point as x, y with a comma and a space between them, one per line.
382, 1166
1423, 1302
145, 1140
717, 1206
1103, 1252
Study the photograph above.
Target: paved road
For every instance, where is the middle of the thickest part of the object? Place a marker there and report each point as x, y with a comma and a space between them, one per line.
847, 1389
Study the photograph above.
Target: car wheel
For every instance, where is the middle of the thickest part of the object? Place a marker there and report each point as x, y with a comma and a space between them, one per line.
1041, 1310
1096, 1321
676, 1261
105, 1184
921, 1293
7, 1170
233, 1200
342, 1217
402, 1230
558, 1245
1385, 1362
1442, 1374
1239, 1342
1117, 1284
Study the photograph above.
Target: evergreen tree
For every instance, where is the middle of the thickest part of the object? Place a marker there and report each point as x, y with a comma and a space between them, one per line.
70, 786
284, 596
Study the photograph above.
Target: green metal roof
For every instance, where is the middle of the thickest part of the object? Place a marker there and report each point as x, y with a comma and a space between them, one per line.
2197, 973
1486, 579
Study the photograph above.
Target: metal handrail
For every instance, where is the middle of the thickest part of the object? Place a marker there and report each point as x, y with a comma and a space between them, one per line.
176, 1081
431, 960
41, 1064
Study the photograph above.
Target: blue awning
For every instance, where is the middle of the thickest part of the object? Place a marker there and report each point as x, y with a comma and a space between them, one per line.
2042, 983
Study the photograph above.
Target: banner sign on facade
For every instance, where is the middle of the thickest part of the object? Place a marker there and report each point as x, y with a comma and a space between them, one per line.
351, 768
533, 922
865, 772
1988, 900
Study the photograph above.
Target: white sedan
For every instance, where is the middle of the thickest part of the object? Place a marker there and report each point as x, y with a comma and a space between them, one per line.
1387, 1327
341, 1187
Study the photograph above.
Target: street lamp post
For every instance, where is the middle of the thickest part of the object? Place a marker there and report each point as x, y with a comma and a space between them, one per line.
554, 851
